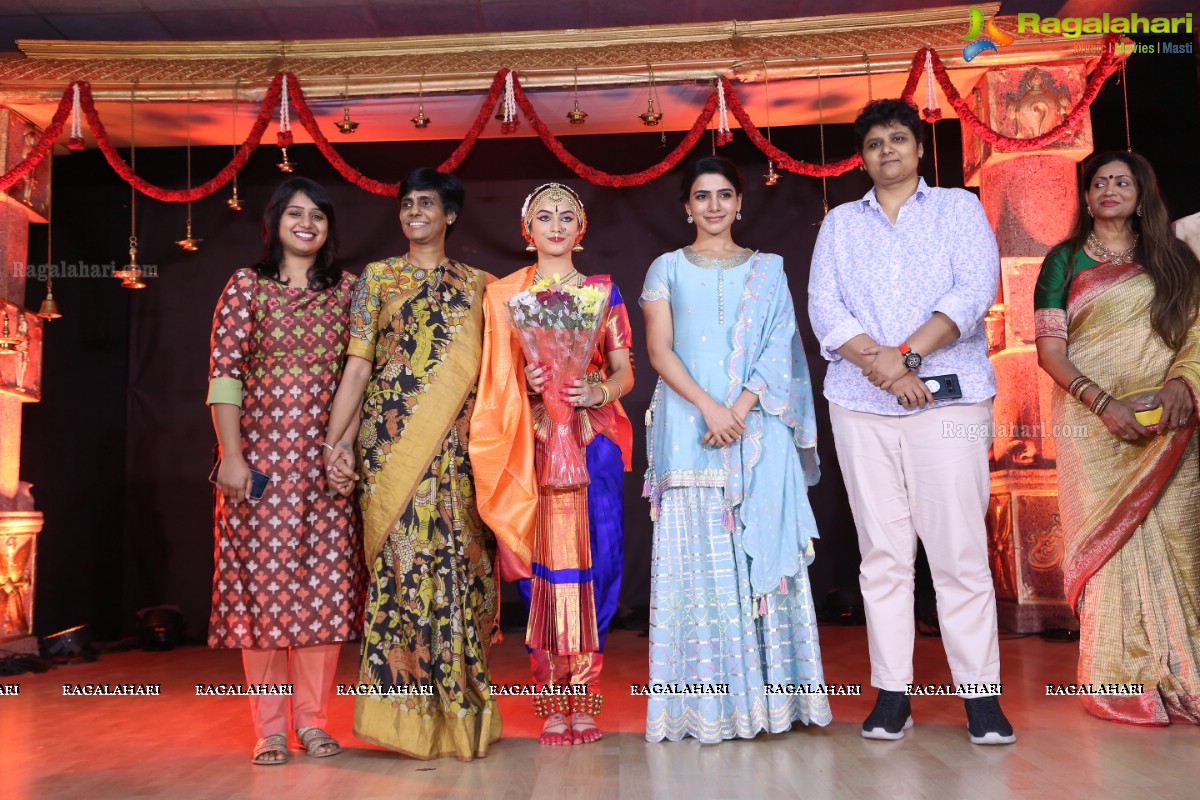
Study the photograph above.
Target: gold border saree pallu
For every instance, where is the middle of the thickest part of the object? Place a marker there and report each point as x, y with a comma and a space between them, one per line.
408, 634
1130, 510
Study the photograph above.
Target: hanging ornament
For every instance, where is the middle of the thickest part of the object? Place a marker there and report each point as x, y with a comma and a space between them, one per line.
1125, 99
347, 126
870, 90
576, 117
188, 243
506, 111
283, 137
131, 276
75, 141
9, 344
724, 135
420, 120
821, 135
234, 202
49, 308
772, 177
650, 117
932, 112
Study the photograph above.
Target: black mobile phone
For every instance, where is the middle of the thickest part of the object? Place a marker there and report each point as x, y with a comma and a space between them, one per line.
258, 481
942, 387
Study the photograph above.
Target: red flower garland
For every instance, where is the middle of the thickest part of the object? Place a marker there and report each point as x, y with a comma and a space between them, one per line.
44, 145
332, 156
223, 177
481, 120
309, 121
1096, 80
782, 159
1015, 144
593, 175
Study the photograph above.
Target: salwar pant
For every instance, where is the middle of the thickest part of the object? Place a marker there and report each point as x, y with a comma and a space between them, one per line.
310, 670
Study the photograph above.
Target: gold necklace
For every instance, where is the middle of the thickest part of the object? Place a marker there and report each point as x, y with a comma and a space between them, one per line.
1103, 254
537, 274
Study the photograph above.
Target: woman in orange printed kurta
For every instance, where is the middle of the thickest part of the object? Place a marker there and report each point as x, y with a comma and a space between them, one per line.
565, 545
287, 586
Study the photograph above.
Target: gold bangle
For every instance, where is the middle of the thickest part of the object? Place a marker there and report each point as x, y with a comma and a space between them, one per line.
620, 389
604, 391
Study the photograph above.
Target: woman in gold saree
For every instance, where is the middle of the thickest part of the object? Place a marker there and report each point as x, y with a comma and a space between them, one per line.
416, 334
1116, 313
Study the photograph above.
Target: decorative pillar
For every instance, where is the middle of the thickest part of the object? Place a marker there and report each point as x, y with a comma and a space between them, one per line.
20, 381
1030, 199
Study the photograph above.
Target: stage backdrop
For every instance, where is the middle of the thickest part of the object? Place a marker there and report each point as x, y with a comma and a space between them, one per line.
120, 447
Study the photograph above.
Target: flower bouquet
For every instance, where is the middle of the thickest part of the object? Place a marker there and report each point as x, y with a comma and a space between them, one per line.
559, 325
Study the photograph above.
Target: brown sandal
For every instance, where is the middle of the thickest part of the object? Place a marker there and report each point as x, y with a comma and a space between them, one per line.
313, 739
275, 743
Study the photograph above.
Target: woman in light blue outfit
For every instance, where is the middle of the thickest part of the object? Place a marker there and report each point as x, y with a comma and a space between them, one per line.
732, 448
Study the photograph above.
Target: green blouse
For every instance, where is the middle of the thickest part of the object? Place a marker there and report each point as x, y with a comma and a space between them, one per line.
1054, 281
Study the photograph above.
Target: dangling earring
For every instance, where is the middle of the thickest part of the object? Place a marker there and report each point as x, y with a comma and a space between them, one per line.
1090, 214
1139, 209
739, 215
577, 248
690, 220
531, 248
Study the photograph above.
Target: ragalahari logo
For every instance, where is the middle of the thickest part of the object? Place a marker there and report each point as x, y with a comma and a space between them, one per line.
984, 37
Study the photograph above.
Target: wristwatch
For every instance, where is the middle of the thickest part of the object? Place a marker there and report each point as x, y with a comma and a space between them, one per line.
912, 359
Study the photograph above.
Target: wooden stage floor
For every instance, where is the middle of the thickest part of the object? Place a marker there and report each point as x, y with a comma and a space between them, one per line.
182, 746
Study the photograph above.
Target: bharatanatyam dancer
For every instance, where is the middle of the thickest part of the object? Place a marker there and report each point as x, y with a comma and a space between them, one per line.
287, 588
732, 451
566, 543
416, 332
1116, 315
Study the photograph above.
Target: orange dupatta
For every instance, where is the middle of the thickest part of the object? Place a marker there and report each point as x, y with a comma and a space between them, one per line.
501, 445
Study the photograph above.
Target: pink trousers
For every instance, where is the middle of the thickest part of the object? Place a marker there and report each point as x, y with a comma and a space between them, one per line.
923, 475
309, 669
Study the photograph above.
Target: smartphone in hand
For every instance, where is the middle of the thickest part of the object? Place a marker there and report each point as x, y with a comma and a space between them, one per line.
258, 481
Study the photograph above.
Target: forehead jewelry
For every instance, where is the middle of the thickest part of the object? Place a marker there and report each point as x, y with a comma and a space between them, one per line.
559, 195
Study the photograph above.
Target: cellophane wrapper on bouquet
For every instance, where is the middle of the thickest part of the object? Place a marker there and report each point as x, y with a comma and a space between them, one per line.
559, 325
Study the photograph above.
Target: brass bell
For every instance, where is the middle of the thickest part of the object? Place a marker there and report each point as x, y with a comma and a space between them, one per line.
49, 308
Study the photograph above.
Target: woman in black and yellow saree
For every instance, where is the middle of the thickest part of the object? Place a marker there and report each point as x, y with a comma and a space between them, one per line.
416, 337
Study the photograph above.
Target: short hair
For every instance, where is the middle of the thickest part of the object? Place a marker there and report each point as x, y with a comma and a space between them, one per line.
449, 188
888, 112
709, 165
322, 274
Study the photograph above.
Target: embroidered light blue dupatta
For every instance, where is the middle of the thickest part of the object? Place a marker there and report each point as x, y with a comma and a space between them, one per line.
769, 469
